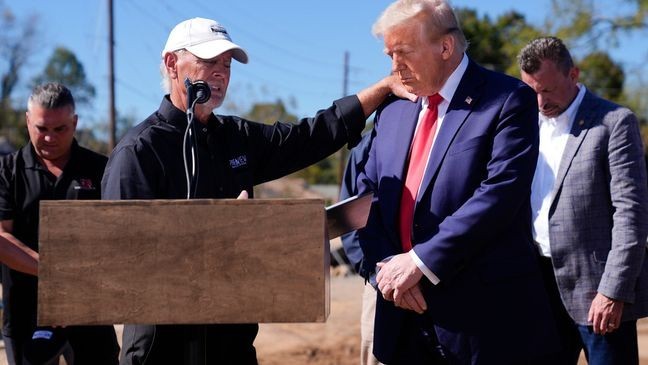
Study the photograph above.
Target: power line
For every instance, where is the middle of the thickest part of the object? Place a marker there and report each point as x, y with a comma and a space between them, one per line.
293, 72
136, 90
155, 20
279, 86
270, 45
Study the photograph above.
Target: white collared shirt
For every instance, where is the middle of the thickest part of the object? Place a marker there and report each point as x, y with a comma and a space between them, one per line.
447, 92
554, 133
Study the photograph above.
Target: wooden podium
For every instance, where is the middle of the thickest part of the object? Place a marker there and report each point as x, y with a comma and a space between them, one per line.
183, 261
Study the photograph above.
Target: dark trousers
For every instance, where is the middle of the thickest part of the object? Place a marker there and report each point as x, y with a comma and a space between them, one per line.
89, 345
619, 347
222, 344
419, 345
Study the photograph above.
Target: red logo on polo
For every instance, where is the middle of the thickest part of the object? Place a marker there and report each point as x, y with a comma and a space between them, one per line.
86, 184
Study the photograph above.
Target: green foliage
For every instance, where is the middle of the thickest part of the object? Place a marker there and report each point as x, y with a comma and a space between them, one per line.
269, 113
636, 98
16, 45
581, 22
484, 40
93, 136
17, 42
571, 19
87, 138
644, 137
496, 44
64, 67
516, 33
602, 75
12, 125
323, 172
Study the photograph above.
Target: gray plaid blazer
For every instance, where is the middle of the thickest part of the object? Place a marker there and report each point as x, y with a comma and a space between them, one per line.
598, 219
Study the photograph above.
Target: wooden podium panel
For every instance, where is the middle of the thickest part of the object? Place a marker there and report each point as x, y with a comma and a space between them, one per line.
183, 261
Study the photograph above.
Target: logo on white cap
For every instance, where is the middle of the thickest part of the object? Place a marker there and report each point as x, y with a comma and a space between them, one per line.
218, 29
204, 38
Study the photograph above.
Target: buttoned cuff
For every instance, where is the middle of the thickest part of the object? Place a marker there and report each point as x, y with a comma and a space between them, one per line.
428, 274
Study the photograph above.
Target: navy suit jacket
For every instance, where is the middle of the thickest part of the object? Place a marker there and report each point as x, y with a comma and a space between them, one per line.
349, 188
472, 224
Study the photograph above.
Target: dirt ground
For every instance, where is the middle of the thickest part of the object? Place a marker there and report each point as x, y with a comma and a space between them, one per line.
335, 342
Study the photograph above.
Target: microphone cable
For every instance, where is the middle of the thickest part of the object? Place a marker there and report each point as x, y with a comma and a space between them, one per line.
188, 135
198, 92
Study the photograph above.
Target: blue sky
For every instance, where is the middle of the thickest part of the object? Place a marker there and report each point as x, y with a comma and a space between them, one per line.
296, 48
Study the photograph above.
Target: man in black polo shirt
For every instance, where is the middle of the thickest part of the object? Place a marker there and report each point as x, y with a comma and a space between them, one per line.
52, 166
233, 155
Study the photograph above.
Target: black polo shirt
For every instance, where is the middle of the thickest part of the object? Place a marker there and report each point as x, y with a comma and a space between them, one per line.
24, 182
234, 154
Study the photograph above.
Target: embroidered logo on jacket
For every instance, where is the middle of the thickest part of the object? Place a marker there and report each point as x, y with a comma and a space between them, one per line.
239, 161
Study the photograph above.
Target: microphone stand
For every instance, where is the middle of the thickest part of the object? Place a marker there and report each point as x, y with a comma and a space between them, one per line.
194, 336
198, 92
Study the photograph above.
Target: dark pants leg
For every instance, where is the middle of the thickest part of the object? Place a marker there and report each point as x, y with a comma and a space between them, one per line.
93, 345
13, 349
567, 328
231, 344
619, 347
174, 344
418, 344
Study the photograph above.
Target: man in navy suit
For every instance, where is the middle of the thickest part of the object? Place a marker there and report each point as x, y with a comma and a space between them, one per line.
452, 175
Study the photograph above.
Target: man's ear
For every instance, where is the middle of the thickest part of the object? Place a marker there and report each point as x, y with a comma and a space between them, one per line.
170, 62
574, 72
448, 46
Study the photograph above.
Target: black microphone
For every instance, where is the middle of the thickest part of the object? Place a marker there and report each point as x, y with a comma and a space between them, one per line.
197, 91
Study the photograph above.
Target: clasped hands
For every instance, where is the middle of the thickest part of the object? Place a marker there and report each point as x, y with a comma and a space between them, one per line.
399, 282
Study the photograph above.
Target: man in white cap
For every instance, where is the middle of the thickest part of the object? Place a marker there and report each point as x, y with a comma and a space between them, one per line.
231, 155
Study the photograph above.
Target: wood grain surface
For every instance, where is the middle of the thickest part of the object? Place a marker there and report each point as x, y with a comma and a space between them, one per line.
183, 261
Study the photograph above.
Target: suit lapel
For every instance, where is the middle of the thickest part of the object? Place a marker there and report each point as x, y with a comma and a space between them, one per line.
579, 129
465, 98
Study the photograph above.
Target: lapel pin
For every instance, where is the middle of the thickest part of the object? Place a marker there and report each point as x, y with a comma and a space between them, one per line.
581, 122
468, 100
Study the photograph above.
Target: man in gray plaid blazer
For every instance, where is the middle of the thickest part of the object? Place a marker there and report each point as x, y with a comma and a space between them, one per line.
590, 209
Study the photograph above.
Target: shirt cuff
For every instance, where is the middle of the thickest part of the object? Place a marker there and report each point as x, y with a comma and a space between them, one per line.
428, 274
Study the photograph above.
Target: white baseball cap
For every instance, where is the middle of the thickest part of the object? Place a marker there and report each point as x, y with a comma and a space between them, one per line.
204, 38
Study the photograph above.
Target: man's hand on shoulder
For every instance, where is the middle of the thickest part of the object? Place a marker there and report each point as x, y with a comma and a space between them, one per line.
397, 88
371, 97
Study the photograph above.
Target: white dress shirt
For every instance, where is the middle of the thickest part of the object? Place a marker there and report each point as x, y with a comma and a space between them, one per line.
447, 92
553, 138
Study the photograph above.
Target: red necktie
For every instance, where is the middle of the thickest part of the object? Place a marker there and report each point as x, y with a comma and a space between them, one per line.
419, 153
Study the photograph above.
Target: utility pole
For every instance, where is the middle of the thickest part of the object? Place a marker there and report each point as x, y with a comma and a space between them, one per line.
111, 79
345, 86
